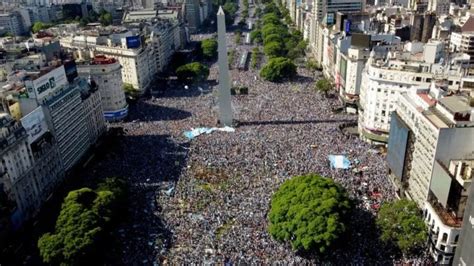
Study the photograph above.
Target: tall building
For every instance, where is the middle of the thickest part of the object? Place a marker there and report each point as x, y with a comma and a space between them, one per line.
383, 79
463, 41
324, 16
463, 254
351, 59
106, 74
426, 127
192, 14
13, 22
73, 111
136, 58
430, 152
16, 166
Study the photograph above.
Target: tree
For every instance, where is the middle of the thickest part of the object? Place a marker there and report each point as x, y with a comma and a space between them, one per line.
130, 91
309, 212
84, 216
256, 36
278, 69
105, 18
194, 72
274, 29
324, 86
400, 223
230, 10
270, 18
209, 48
273, 38
274, 49
37, 26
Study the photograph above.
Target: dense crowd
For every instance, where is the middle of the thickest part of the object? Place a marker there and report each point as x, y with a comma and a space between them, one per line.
206, 200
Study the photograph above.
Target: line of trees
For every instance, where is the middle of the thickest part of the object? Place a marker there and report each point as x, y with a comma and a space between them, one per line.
281, 44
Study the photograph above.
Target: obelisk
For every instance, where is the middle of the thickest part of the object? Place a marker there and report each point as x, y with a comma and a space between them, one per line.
225, 105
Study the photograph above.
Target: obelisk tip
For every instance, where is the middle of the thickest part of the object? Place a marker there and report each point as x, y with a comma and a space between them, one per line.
220, 11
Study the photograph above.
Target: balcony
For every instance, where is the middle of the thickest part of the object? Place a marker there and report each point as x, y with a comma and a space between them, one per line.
447, 217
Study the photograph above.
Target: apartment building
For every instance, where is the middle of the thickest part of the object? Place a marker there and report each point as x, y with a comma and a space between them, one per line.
137, 59
13, 22
106, 74
16, 167
73, 110
430, 154
383, 79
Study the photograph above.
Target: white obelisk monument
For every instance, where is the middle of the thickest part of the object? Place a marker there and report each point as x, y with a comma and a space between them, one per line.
225, 106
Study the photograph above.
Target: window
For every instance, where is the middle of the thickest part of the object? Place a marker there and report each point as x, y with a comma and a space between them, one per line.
445, 237
456, 238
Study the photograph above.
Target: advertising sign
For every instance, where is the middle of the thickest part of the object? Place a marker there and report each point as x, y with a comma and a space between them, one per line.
133, 41
47, 83
35, 124
347, 26
397, 145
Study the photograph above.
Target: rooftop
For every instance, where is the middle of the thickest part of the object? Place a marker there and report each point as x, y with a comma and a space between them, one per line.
102, 60
455, 104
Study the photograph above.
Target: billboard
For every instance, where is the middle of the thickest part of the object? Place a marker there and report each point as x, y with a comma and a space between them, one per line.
42, 86
116, 115
34, 124
397, 145
133, 41
360, 40
347, 26
343, 68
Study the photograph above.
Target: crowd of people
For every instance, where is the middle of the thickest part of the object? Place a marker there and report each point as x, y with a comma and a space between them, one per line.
206, 200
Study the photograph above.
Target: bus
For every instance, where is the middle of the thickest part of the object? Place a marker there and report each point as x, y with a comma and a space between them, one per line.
247, 38
243, 61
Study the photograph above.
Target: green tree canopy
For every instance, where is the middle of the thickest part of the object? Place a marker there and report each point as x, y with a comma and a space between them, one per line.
274, 29
209, 48
38, 26
324, 86
256, 36
105, 18
309, 212
274, 49
271, 18
194, 72
80, 226
400, 223
230, 10
273, 38
278, 69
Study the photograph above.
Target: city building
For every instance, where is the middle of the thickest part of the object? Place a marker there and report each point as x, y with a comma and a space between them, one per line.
430, 154
16, 167
463, 41
192, 15
383, 79
106, 74
323, 17
73, 110
351, 55
463, 254
13, 22
136, 58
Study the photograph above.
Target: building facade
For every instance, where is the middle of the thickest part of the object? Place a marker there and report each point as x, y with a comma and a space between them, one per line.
107, 76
